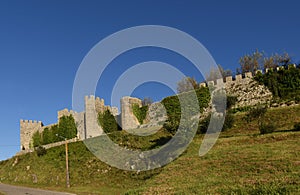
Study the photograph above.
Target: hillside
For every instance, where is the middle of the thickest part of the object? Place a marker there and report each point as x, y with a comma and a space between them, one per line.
242, 162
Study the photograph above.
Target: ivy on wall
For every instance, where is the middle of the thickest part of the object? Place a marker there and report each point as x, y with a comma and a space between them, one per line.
140, 112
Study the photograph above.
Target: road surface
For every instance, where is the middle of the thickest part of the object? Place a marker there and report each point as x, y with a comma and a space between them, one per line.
17, 190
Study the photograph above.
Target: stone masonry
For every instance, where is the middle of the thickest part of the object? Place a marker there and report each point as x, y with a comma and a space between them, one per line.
246, 89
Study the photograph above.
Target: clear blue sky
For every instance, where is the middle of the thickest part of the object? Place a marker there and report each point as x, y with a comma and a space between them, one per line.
42, 44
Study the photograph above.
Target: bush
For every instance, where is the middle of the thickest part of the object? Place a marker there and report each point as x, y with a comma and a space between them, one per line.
241, 109
256, 113
266, 128
229, 120
297, 126
41, 151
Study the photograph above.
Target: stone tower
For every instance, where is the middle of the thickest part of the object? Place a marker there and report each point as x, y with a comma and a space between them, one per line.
27, 129
92, 128
128, 120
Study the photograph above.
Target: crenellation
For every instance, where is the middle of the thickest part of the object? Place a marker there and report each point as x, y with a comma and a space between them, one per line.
238, 77
248, 75
228, 79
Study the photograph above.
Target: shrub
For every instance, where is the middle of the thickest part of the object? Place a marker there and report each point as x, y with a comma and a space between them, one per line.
241, 109
229, 120
297, 126
203, 125
41, 151
266, 128
256, 113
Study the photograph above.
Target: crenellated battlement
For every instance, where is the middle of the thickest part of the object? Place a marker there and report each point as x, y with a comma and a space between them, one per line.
228, 79
241, 77
65, 112
27, 129
31, 122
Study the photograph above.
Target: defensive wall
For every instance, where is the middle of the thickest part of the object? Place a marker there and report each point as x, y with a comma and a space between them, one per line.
243, 86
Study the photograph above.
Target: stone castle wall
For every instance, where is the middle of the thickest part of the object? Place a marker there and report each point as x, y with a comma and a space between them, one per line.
86, 122
245, 88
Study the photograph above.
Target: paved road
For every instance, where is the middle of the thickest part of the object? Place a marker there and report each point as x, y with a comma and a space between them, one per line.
16, 190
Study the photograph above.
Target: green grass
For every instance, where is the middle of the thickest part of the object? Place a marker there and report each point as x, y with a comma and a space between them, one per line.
241, 162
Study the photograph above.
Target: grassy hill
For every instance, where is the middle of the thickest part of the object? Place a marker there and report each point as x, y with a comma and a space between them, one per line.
241, 162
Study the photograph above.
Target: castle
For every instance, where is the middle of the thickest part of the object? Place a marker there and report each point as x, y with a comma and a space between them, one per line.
86, 121
244, 87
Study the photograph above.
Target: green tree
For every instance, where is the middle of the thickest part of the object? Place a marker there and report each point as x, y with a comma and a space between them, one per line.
47, 136
37, 141
108, 122
55, 130
67, 127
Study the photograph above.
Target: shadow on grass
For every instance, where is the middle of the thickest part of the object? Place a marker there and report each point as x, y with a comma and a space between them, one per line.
159, 142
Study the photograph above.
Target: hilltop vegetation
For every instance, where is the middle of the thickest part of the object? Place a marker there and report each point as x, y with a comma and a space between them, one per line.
284, 83
257, 151
242, 162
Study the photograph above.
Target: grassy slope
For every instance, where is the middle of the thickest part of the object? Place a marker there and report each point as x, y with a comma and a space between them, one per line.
242, 161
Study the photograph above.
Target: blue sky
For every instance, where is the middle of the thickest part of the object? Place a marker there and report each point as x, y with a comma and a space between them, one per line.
42, 44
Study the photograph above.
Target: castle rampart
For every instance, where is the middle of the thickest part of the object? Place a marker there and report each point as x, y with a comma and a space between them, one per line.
244, 87
247, 90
